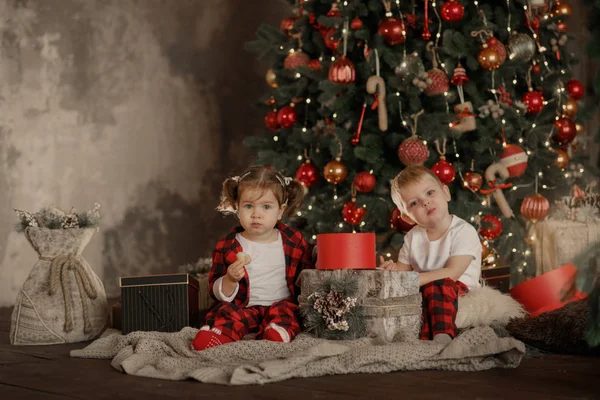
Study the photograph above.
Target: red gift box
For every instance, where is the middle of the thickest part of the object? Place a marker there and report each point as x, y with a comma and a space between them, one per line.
346, 251
548, 291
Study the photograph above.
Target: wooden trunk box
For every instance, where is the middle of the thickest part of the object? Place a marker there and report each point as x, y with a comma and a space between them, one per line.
391, 300
497, 277
165, 303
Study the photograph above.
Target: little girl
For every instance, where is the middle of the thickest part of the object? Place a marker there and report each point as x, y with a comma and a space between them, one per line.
255, 267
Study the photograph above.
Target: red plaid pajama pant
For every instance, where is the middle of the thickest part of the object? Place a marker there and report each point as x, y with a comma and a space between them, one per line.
440, 303
235, 321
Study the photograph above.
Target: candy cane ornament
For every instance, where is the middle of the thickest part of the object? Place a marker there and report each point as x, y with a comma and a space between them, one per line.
492, 173
376, 87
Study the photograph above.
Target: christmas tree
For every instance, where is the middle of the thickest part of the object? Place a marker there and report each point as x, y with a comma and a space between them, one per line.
479, 91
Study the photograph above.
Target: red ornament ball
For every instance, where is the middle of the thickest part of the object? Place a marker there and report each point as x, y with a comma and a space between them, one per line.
535, 208
566, 130
392, 30
575, 89
452, 11
307, 174
439, 83
271, 121
287, 25
286, 116
514, 159
491, 227
356, 24
365, 182
342, 71
315, 65
534, 100
473, 181
353, 214
537, 69
412, 151
296, 59
496, 45
397, 223
444, 171
331, 39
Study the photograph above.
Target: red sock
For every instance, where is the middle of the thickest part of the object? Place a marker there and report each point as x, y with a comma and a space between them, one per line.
207, 339
272, 335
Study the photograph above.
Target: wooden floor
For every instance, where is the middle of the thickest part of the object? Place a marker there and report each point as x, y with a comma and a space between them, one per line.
47, 372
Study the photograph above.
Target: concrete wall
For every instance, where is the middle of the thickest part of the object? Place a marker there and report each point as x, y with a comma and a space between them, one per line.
138, 105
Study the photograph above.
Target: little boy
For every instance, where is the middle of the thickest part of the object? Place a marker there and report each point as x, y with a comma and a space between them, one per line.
444, 249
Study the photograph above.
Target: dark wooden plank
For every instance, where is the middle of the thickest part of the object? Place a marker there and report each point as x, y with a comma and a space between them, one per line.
16, 392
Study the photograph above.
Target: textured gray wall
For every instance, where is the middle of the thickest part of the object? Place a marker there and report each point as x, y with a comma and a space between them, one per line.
138, 105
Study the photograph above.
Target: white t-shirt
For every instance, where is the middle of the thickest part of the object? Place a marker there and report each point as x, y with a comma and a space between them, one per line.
460, 239
266, 273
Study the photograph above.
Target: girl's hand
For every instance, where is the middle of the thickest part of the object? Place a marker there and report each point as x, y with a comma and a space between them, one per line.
235, 271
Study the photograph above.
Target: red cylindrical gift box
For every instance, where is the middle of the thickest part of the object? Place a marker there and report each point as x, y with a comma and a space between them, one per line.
547, 292
346, 251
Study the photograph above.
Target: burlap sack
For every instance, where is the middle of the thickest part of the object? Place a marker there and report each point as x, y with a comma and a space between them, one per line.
62, 300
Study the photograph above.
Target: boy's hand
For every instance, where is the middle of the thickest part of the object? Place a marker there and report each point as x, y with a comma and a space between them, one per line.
390, 265
235, 271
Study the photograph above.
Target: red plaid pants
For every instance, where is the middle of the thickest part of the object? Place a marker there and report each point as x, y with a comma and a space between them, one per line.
235, 321
440, 303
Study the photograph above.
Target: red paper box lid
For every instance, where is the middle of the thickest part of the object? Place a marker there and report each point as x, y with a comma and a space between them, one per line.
346, 251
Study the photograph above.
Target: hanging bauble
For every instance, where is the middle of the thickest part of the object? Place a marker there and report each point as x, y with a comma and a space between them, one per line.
392, 30
536, 69
521, 47
397, 223
452, 11
459, 77
562, 26
561, 8
287, 25
286, 116
296, 59
307, 174
535, 208
498, 47
534, 100
579, 128
485, 249
488, 58
353, 214
335, 172
409, 67
413, 151
342, 71
565, 131
271, 121
472, 180
356, 24
569, 108
562, 158
315, 64
364, 182
514, 159
491, 227
575, 89
271, 78
439, 82
444, 171
331, 38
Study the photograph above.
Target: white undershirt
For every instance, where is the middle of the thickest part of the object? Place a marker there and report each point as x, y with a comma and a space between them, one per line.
266, 273
460, 239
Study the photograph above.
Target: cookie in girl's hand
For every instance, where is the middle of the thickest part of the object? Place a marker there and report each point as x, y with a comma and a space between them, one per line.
245, 258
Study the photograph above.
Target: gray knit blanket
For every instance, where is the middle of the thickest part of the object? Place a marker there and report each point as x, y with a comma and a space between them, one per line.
170, 356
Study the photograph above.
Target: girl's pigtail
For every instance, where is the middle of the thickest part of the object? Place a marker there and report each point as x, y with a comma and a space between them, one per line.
294, 195
229, 195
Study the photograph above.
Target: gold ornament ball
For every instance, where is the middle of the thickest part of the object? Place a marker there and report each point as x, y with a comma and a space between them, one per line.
562, 159
485, 249
489, 59
561, 8
271, 78
335, 172
579, 128
570, 108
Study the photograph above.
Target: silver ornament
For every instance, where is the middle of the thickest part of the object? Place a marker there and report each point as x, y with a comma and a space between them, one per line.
521, 48
409, 67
